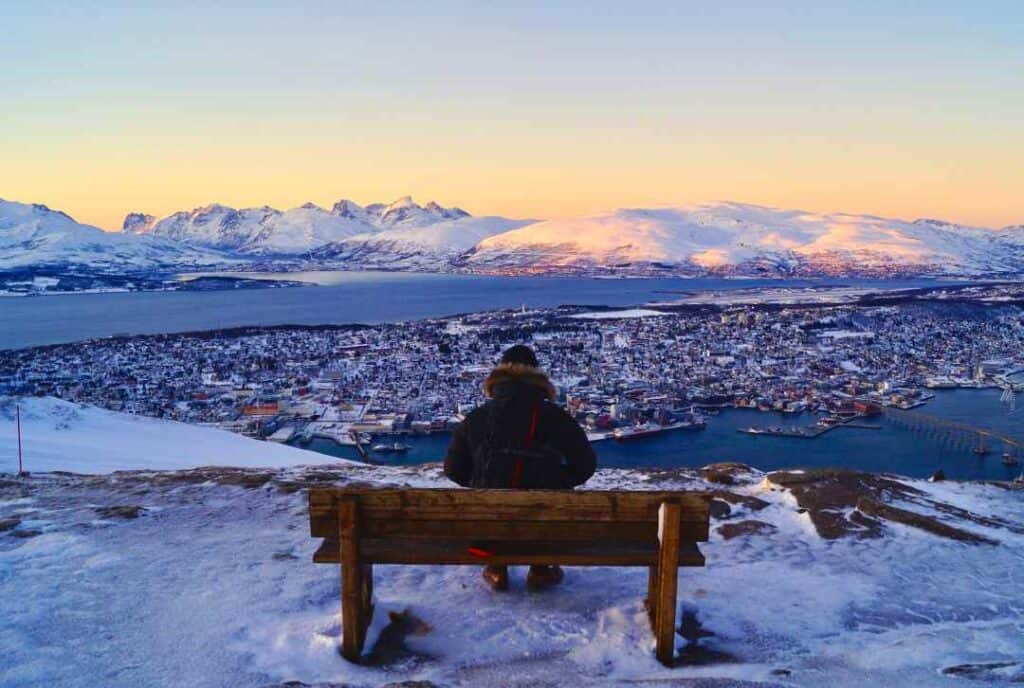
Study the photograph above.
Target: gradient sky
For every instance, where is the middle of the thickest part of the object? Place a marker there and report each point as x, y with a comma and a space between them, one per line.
907, 109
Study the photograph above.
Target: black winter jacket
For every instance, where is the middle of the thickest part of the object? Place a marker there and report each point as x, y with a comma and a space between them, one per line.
515, 391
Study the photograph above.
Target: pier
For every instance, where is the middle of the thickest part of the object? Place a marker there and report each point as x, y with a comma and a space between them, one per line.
808, 432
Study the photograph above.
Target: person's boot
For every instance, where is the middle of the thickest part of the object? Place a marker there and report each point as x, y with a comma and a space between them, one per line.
496, 577
543, 577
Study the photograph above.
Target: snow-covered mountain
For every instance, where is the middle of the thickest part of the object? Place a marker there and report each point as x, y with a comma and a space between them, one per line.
32, 235
267, 231
436, 246
741, 238
717, 238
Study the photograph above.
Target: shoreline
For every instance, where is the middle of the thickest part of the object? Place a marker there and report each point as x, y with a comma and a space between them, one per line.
705, 300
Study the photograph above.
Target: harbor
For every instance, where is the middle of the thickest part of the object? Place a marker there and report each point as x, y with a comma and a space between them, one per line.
893, 447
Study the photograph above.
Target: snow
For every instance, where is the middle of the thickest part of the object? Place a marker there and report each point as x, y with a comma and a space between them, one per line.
451, 236
267, 231
213, 585
36, 235
613, 315
846, 334
61, 436
727, 235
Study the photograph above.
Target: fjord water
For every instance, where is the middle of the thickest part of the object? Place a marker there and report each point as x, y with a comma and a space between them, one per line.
893, 448
343, 298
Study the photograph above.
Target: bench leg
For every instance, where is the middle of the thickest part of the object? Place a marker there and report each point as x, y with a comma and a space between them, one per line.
356, 585
667, 581
352, 612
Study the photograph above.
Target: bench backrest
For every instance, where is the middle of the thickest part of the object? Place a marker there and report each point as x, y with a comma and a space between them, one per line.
508, 514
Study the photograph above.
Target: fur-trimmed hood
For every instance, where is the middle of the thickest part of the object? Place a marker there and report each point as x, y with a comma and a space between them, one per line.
519, 372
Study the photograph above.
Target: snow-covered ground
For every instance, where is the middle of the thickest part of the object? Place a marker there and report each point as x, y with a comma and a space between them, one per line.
205, 579
614, 315
61, 436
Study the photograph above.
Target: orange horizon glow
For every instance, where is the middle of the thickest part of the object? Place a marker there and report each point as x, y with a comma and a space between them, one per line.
543, 207
520, 111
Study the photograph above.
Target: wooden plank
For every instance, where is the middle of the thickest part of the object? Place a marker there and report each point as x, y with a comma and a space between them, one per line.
668, 571
454, 551
320, 519
623, 499
352, 613
321, 522
508, 506
518, 530
617, 503
505, 505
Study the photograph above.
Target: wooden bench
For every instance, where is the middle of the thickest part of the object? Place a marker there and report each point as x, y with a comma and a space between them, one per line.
365, 526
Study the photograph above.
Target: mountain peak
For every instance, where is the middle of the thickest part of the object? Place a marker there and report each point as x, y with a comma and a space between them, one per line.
137, 223
47, 210
403, 202
346, 208
932, 222
210, 209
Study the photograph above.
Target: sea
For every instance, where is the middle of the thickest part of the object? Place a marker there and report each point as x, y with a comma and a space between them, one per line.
379, 297
338, 297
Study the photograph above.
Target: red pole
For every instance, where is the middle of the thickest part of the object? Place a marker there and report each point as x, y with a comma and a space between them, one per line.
17, 412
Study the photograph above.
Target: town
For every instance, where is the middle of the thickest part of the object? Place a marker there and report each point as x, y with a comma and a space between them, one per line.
621, 374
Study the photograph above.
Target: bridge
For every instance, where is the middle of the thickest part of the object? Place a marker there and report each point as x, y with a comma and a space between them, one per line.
954, 432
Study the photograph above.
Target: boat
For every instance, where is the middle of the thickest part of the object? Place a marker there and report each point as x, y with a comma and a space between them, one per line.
641, 430
1009, 459
981, 449
394, 448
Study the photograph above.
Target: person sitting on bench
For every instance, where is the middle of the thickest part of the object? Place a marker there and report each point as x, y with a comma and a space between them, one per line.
520, 439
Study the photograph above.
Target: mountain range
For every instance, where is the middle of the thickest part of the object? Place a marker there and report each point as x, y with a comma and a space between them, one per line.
714, 238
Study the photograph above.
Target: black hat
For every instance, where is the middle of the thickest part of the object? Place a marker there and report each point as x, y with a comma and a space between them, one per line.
521, 354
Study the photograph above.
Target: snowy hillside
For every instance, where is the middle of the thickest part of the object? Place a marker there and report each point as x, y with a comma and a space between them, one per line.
250, 230
267, 231
34, 235
205, 578
431, 247
733, 237
61, 436
718, 238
